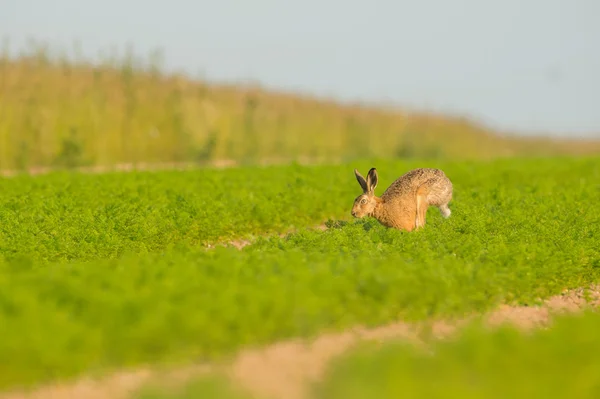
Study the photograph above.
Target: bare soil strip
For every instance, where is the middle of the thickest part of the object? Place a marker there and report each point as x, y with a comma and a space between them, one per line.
241, 243
159, 166
120, 167
285, 370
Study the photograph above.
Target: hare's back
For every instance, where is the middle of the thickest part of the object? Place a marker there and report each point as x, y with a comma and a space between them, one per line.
408, 182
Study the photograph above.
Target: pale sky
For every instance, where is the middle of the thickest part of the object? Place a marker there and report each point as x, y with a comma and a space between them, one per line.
529, 65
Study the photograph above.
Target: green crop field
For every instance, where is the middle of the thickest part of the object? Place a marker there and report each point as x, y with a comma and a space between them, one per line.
210, 387
562, 362
103, 271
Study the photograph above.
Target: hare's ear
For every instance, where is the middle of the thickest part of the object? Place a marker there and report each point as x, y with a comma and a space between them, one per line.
361, 181
372, 180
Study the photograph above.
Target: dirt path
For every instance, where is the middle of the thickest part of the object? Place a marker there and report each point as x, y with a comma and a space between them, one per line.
285, 370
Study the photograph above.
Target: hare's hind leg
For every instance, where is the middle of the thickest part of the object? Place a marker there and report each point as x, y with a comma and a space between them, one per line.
440, 194
422, 205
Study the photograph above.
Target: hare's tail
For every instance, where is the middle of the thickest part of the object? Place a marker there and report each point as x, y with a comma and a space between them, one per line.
446, 212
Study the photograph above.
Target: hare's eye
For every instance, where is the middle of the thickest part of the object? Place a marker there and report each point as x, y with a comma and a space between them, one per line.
363, 201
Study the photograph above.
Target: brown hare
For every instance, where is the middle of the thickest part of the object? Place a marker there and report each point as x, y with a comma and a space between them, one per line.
405, 202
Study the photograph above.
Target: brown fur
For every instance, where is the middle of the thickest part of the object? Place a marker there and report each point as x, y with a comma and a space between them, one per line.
405, 202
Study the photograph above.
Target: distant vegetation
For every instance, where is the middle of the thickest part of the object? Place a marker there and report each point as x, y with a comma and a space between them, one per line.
57, 110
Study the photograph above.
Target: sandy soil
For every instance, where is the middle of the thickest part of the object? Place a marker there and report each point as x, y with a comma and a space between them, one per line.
285, 370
